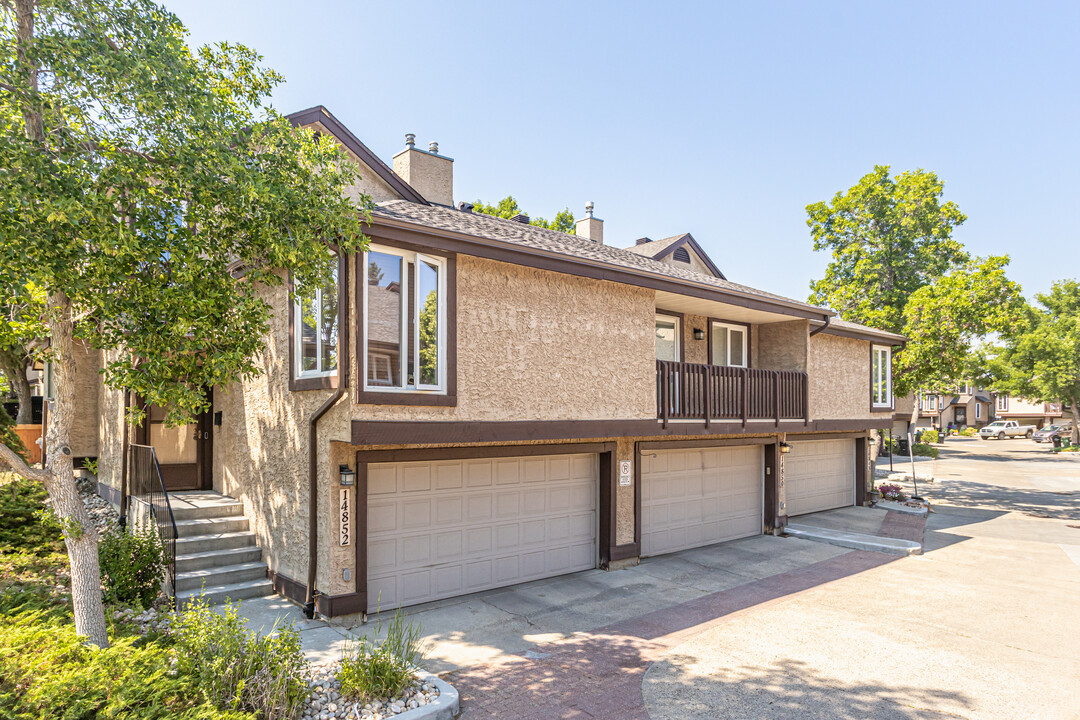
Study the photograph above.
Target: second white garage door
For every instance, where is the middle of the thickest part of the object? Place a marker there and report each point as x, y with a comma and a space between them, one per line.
437, 529
700, 496
819, 475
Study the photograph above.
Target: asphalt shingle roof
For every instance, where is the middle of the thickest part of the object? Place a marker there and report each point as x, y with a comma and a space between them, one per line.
655, 247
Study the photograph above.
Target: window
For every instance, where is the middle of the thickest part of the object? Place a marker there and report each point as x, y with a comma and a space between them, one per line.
978, 411
881, 376
315, 328
681, 255
1003, 402
405, 317
667, 337
728, 345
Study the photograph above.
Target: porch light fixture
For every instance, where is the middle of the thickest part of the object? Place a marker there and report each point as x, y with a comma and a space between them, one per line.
348, 475
699, 334
784, 448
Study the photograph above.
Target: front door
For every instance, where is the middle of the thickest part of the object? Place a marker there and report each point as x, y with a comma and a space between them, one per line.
961, 416
183, 452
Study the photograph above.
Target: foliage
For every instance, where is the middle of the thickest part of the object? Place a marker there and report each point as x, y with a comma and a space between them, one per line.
892, 492
1041, 359
929, 436
429, 341
238, 670
132, 565
924, 450
508, 207
22, 511
91, 466
8, 436
372, 669
969, 432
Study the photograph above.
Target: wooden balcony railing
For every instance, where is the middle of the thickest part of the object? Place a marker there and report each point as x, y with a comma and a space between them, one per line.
690, 391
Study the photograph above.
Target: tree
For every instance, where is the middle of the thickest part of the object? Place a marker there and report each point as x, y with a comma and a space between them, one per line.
896, 267
150, 196
508, 208
1041, 360
22, 310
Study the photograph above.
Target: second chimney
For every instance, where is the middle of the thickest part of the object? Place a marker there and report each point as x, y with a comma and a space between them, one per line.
429, 173
589, 227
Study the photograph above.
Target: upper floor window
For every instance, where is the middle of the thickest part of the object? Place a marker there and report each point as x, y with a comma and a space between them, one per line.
667, 337
1003, 401
881, 376
728, 345
405, 318
315, 328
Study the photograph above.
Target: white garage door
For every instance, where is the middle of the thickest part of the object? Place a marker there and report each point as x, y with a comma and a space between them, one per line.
700, 496
819, 475
437, 529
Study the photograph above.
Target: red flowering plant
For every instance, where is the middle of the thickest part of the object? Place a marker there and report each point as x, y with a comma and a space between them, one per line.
892, 492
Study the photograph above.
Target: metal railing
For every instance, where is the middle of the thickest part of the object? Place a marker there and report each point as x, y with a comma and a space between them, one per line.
693, 391
147, 487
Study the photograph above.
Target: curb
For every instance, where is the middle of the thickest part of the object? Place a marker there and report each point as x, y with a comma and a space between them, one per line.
854, 541
444, 707
894, 506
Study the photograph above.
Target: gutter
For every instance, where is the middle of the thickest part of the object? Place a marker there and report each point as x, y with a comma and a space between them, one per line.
815, 331
313, 438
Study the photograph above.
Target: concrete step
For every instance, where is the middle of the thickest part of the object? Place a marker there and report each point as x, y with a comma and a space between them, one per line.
220, 594
853, 540
217, 576
211, 526
221, 541
227, 508
217, 558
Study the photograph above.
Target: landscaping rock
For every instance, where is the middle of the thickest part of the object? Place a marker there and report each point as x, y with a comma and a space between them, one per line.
327, 703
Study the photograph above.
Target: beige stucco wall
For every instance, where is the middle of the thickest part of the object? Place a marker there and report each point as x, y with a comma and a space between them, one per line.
369, 182
430, 175
84, 428
695, 263
839, 370
537, 345
904, 405
110, 431
783, 345
695, 351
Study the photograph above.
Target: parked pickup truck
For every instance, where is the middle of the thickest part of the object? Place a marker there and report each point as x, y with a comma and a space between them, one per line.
1002, 429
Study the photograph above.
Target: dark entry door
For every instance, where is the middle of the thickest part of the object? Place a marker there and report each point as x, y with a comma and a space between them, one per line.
961, 416
184, 452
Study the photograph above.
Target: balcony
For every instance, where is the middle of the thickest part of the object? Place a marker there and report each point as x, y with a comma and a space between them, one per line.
691, 391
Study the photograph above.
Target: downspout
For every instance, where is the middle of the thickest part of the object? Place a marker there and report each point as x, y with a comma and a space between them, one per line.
313, 440
828, 319
124, 444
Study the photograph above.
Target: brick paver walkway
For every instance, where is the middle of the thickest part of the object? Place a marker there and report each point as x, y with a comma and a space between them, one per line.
598, 674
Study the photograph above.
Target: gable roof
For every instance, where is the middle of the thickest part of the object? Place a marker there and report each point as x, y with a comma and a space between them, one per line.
657, 249
321, 115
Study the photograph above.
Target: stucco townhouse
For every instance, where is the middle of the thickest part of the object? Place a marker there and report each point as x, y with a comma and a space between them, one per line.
479, 402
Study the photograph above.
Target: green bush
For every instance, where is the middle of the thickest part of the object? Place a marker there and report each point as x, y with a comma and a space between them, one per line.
238, 670
930, 436
372, 669
924, 450
8, 436
969, 432
132, 565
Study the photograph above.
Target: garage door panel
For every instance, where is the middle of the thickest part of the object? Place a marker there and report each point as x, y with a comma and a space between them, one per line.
439, 529
700, 496
819, 475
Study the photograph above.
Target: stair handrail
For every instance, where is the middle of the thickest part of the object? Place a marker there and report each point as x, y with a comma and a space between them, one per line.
145, 486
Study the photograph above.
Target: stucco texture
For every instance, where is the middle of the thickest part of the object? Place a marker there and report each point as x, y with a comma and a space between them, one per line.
783, 345
369, 183
839, 370
536, 345
110, 428
84, 429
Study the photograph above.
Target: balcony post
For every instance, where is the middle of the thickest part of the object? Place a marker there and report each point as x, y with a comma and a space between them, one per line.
776, 397
707, 388
745, 374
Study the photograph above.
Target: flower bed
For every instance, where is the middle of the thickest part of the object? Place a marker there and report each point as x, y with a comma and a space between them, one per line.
327, 702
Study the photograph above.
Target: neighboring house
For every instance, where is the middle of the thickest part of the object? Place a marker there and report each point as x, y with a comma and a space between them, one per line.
515, 403
1026, 412
967, 406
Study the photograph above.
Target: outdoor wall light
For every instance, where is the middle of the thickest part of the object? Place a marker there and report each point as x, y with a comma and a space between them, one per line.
348, 475
699, 334
784, 448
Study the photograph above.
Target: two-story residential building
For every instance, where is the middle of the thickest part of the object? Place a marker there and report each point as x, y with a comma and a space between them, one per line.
1025, 411
966, 406
479, 402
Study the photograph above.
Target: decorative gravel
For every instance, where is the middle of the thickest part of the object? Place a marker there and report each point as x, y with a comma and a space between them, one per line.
101, 512
327, 704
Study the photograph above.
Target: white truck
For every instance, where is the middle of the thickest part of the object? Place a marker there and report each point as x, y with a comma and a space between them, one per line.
1002, 429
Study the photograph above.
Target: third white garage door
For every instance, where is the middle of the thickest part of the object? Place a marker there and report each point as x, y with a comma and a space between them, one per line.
699, 496
437, 529
819, 475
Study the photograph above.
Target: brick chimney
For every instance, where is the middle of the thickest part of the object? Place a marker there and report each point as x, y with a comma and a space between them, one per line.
429, 173
589, 227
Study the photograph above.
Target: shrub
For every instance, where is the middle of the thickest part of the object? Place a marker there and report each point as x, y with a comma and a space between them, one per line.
372, 669
924, 450
132, 565
969, 432
238, 670
892, 492
9, 437
929, 436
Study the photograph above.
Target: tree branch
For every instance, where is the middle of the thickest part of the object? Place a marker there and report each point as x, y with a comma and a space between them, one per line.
19, 466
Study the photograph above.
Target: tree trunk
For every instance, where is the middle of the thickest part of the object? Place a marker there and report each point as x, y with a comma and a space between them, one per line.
1075, 439
15, 370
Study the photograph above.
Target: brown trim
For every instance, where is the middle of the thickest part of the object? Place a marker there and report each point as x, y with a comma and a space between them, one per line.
681, 333
861, 462
429, 399
324, 382
891, 407
394, 432
870, 335
479, 453
287, 587
749, 339
770, 520
688, 444
625, 551
321, 115
326, 605
386, 230
637, 497
798, 437
204, 446
688, 239
360, 535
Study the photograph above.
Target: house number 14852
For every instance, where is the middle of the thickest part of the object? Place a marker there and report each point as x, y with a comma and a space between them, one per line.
344, 517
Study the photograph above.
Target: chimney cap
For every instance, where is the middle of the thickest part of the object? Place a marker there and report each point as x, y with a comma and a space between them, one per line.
465, 206
589, 208
410, 140
642, 241
433, 147
521, 218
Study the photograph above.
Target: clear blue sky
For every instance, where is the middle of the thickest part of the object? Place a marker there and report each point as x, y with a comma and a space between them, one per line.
722, 119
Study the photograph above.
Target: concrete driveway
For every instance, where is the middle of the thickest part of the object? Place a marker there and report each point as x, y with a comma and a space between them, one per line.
982, 625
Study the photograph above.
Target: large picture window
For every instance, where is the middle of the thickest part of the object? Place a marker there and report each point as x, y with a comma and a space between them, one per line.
728, 345
405, 303
315, 328
881, 377
668, 331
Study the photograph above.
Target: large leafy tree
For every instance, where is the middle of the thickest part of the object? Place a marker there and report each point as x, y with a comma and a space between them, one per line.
1041, 360
896, 267
148, 193
508, 207
19, 337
